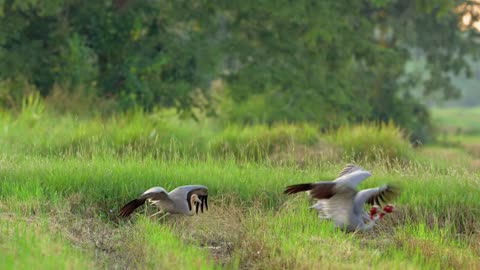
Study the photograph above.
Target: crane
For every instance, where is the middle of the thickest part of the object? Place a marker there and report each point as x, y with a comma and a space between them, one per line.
177, 201
340, 200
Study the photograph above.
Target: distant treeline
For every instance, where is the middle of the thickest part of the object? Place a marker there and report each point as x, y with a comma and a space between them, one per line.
330, 62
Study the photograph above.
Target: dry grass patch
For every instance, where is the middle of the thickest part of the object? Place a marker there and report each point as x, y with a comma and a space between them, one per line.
218, 230
473, 149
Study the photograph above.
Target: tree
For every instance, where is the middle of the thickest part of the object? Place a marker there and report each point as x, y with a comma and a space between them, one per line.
335, 61
142, 53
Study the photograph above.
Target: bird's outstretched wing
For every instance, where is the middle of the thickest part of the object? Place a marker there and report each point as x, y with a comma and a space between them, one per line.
320, 190
153, 194
349, 169
298, 188
374, 196
186, 193
334, 199
352, 175
202, 194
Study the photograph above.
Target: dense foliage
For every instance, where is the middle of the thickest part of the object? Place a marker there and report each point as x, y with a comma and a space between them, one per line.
328, 62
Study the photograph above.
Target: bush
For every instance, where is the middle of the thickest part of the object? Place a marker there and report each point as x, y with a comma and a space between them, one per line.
164, 135
259, 141
371, 142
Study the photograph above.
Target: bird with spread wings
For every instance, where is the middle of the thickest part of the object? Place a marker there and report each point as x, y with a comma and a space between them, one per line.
340, 200
181, 200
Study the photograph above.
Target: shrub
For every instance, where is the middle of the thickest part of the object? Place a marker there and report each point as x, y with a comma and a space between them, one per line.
259, 141
372, 142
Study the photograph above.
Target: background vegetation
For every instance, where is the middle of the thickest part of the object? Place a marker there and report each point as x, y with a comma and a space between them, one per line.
329, 63
101, 100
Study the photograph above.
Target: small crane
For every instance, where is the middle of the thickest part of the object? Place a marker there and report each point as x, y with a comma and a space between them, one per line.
177, 201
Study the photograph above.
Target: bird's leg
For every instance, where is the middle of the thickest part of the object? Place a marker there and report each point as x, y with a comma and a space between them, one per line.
145, 206
166, 214
368, 226
145, 209
159, 212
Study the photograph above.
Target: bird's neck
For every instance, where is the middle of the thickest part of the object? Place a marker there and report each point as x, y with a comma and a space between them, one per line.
369, 225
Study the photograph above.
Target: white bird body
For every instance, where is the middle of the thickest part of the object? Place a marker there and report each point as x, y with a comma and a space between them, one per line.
340, 201
177, 201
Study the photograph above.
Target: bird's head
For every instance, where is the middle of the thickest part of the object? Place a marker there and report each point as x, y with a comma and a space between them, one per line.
376, 212
195, 200
389, 208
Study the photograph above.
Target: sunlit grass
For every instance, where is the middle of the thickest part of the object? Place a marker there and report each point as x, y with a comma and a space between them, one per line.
285, 232
457, 121
373, 142
153, 246
25, 244
138, 134
63, 180
459, 130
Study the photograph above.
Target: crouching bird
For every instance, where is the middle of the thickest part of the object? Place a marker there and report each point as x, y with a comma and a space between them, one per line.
181, 200
340, 200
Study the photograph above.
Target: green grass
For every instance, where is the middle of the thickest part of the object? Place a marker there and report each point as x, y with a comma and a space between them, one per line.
163, 135
459, 129
458, 121
249, 214
25, 244
64, 179
373, 142
158, 247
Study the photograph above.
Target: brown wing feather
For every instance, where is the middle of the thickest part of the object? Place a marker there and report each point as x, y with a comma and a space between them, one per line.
298, 188
382, 197
323, 190
128, 209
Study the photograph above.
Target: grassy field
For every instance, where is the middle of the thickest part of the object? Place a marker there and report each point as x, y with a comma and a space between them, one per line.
63, 179
460, 132
458, 120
